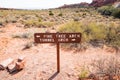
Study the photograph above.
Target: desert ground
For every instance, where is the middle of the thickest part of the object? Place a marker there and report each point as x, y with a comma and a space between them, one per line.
41, 58
16, 39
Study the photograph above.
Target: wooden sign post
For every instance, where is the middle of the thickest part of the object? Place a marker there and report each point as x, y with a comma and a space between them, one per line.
57, 38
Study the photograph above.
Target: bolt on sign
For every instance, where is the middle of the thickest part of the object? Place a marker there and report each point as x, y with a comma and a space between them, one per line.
57, 38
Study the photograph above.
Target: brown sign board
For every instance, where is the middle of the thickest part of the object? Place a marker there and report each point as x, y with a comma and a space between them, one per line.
57, 37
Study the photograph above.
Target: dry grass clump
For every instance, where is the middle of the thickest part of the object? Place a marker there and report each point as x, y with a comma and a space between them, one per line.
108, 66
104, 67
22, 35
40, 24
2, 31
29, 33
2, 22
28, 45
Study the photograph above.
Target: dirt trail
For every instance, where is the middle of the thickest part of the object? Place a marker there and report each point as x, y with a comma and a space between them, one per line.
41, 59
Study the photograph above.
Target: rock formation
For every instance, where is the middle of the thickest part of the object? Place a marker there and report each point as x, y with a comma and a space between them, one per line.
99, 3
78, 5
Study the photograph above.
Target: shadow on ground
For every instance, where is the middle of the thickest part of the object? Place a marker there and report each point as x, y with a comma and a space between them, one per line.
53, 76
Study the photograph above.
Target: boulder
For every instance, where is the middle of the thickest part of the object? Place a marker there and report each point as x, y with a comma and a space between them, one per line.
5, 63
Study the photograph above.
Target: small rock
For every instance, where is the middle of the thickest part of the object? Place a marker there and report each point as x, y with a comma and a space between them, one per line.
20, 65
11, 68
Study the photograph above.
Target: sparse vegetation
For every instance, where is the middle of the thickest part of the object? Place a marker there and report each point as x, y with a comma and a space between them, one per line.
94, 27
93, 33
97, 30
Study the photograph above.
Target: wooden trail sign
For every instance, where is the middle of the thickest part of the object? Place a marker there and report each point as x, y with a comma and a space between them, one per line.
57, 38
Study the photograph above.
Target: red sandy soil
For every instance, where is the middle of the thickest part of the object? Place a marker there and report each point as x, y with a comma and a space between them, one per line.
41, 59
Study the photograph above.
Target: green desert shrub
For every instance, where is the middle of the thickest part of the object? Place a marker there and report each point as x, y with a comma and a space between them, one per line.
93, 32
51, 13
116, 13
110, 11
96, 31
83, 74
60, 14
90, 32
71, 27
30, 22
105, 10
1, 23
113, 36
47, 24
38, 23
